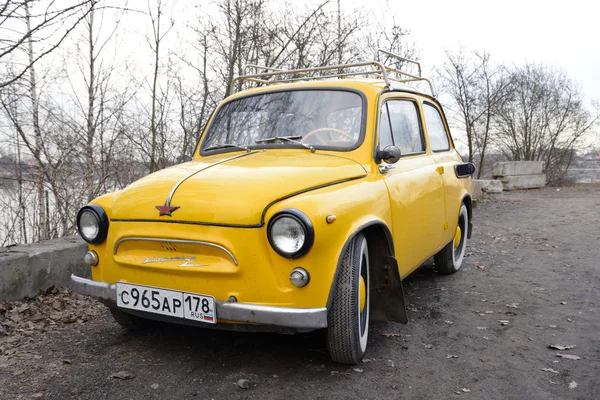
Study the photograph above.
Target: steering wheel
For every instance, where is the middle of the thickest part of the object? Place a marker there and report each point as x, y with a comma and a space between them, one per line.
319, 130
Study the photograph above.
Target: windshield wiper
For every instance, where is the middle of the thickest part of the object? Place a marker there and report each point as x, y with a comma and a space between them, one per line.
293, 139
227, 145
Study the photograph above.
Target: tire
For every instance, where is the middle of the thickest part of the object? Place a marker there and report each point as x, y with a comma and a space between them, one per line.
450, 258
129, 321
348, 325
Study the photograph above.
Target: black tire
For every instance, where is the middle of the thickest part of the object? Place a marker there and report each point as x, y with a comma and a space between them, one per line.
129, 321
348, 326
450, 258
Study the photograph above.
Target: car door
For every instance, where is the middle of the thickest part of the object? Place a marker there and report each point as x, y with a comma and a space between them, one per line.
414, 185
445, 157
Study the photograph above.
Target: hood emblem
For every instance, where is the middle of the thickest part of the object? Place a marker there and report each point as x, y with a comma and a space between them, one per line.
166, 209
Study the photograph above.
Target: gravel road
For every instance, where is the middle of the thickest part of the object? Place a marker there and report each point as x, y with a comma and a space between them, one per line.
531, 280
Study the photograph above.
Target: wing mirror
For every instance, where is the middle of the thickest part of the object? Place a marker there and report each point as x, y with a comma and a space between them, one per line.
464, 170
390, 154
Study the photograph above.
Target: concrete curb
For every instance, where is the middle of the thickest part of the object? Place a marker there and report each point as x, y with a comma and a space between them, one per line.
27, 269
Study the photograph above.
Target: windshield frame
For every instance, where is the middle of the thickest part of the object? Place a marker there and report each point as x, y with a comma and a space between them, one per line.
287, 144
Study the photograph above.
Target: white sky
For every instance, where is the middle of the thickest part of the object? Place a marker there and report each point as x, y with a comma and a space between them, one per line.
564, 34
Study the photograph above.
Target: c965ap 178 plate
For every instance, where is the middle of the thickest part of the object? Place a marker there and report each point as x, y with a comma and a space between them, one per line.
168, 302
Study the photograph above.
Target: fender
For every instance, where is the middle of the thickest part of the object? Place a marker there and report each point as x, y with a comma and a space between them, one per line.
387, 296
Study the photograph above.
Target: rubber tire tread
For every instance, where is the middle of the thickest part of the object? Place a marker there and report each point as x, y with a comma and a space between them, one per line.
444, 259
129, 321
343, 340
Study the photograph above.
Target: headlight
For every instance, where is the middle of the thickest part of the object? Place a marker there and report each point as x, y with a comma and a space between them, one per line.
290, 233
92, 224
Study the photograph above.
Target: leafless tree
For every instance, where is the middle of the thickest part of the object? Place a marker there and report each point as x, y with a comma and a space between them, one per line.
477, 88
159, 32
48, 25
544, 118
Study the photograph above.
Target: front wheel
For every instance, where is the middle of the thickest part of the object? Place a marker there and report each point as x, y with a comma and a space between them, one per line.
450, 258
348, 319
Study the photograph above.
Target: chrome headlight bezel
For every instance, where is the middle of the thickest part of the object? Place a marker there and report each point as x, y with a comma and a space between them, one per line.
101, 219
303, 221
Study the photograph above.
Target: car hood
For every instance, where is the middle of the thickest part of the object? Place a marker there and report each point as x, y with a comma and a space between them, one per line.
230, 190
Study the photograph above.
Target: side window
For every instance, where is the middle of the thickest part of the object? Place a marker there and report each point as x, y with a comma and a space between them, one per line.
406, 129
385, 132
436, 131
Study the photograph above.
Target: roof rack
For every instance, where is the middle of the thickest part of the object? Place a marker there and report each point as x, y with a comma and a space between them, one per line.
389, 74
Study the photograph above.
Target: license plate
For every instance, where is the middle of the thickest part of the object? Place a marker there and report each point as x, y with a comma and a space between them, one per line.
173, 303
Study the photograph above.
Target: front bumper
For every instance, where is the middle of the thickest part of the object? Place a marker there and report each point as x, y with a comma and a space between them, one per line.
306, 318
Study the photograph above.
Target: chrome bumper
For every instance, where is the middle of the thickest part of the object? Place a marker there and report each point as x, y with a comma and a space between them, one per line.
308, 318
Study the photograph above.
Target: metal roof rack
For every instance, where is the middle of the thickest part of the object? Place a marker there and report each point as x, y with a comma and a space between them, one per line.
373, 68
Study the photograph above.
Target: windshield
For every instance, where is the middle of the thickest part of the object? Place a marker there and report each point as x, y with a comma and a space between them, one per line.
327, 119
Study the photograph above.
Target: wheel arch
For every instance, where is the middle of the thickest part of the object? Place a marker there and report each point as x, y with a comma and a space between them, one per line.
387, 294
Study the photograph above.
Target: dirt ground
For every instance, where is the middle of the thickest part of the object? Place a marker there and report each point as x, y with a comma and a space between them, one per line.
533, 263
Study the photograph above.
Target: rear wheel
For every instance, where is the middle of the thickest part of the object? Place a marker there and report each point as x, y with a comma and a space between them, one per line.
450, 258
129, 321
348, 319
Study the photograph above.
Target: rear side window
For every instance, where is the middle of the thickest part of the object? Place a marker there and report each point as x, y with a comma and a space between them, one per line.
436, 131
406, 129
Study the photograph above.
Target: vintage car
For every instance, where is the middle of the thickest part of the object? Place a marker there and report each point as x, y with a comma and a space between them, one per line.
309, 198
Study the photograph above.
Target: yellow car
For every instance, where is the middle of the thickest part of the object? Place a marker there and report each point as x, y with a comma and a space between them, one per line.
308, 200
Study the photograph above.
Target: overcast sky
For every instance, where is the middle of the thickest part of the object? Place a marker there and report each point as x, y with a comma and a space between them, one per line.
565, 34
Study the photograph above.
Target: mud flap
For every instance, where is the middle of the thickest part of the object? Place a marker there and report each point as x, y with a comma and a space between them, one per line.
388, 299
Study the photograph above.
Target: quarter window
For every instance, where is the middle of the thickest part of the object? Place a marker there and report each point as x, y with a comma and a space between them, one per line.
406, 129
436, 131
385, 132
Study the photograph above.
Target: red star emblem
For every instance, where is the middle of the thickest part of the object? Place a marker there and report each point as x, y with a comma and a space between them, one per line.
166, 209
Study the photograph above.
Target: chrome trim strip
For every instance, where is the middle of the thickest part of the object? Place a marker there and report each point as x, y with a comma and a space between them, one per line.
172, 192
270, 315
200, 242
100, 290
312, 318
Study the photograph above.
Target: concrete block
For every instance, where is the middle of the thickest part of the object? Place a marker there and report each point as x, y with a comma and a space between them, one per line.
495, 186
14, 275
478, 185
524, 182
513, 168
482, 186
27, 269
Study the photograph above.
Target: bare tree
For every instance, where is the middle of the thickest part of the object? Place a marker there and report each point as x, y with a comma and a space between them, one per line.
544, 118
48, 27
158, 34
477, 89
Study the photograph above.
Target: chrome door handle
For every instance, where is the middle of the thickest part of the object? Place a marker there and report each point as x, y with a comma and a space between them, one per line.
385, 168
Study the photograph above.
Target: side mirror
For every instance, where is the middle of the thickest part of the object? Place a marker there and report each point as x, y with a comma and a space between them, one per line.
390, 154
464, 170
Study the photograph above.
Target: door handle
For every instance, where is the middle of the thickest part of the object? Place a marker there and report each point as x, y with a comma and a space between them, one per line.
385, 168
440, 170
